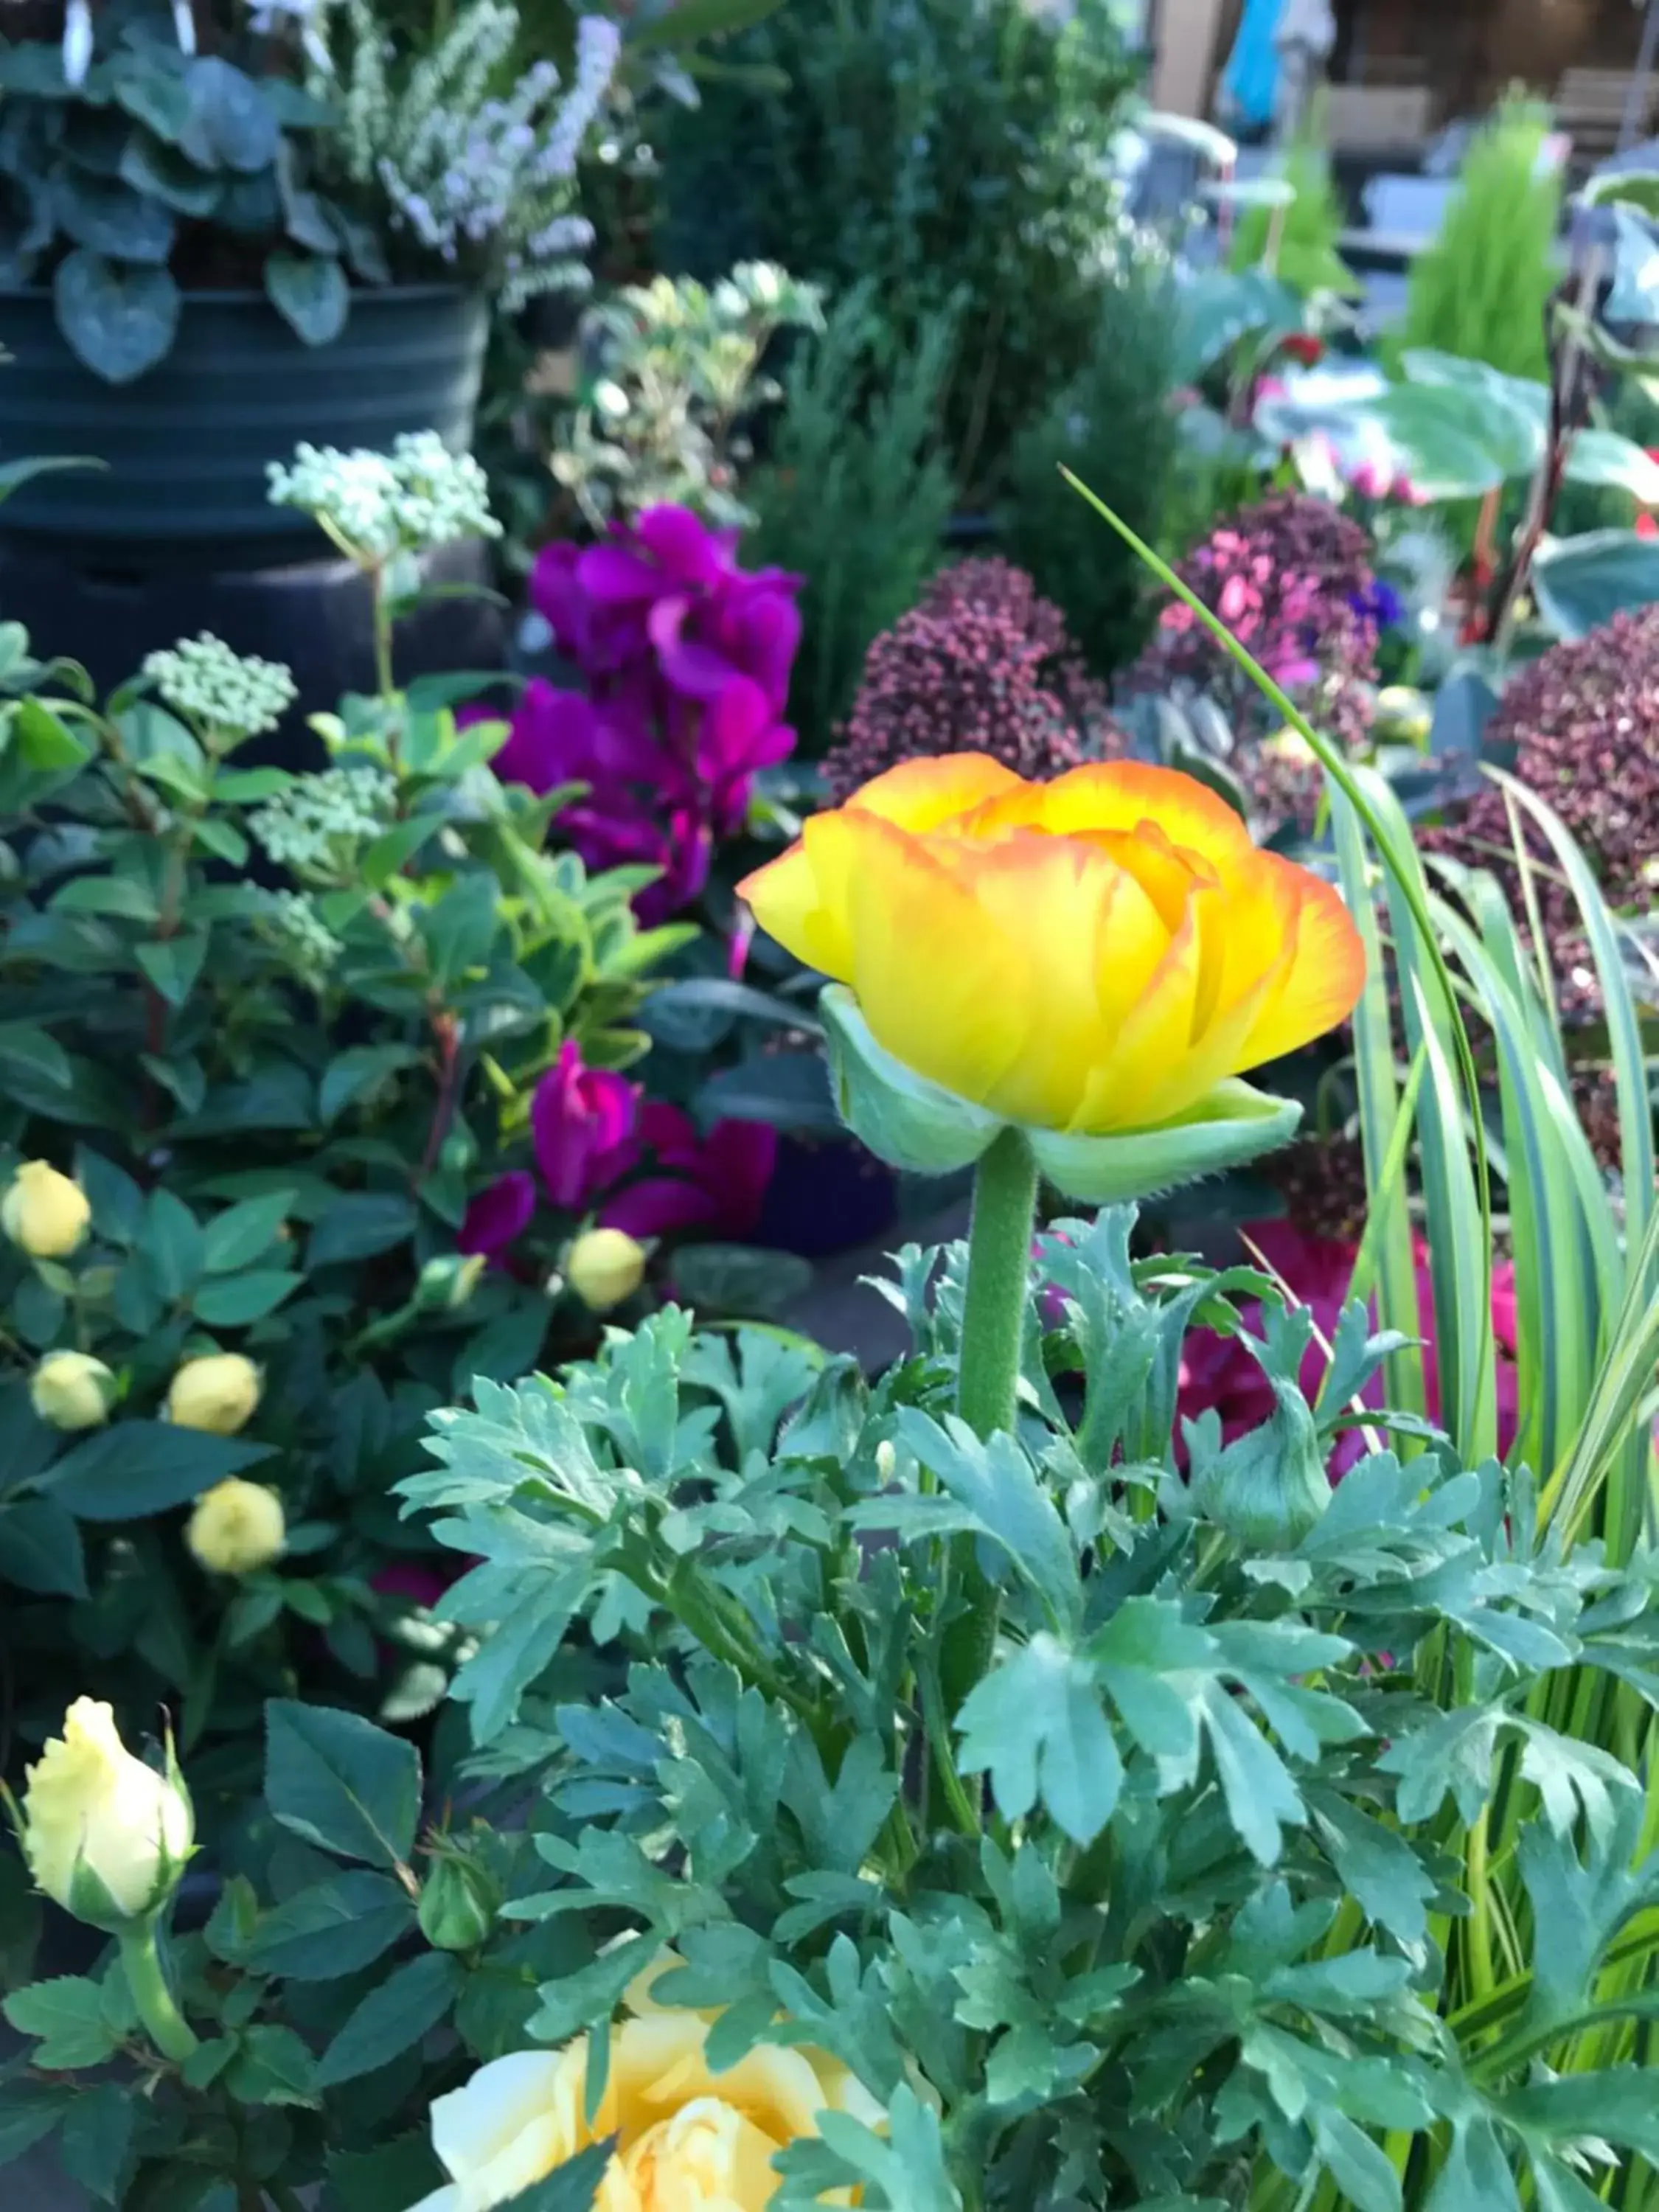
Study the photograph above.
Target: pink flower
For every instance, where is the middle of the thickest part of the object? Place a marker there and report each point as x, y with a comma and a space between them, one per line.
499, 1216
716, 1183
582, 1122
1217, 1371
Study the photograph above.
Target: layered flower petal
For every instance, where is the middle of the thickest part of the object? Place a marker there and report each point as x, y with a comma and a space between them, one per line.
1090, 956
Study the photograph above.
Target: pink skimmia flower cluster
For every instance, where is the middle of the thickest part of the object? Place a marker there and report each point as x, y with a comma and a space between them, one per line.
685, 659
1218, 1371
644, 1166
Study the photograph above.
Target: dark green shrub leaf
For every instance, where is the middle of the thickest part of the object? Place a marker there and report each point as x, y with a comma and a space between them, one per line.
120, 321
392, 2018
110, 217
245, 1232
172, 1243
235, 1300
359, 1069
47, 744
363, 1224
41, 1549
272, 2067
134, 1468
173, 963
310, 293
231, 120
338, 1928
95, 2150
341, 1783
68, 2017
387, 2179
161, 172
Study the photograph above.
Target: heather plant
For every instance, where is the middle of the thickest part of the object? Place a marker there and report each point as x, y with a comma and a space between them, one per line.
854, 497
280, 1050
984, 664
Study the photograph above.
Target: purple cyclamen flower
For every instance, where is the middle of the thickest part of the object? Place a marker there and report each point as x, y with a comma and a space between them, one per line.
498, 1217
582, 1124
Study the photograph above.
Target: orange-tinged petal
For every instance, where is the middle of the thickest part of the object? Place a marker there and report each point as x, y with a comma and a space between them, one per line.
801, 898
1063, 904
1153, 1041
1120, 795
1325, 976
939, 986
921, 794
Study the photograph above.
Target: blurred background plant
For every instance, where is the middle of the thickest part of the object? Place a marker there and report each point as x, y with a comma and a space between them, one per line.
854, 496
668, 397
953, 155
1115, 429
1294, 238
1482, 290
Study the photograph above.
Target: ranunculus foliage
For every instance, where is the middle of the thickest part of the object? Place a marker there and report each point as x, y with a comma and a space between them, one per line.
1095, 956
688, 2139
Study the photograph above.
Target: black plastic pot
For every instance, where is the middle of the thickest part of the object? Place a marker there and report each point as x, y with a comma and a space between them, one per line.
186, 446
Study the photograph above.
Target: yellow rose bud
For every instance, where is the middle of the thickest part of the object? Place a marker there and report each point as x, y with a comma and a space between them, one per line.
218, 1392
688, 2136
237, 1528
605, 1267
1095, 961
72, 1390
45, 1213
103, 1834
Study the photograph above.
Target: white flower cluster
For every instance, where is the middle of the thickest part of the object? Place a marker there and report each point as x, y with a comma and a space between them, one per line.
418, 496
317, 824
234, 692
300, 934
471, 176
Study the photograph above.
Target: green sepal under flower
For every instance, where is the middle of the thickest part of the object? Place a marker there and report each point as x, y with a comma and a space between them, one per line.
914, 1124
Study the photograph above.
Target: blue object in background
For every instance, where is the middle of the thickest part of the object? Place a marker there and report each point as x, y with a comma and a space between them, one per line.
1250, 83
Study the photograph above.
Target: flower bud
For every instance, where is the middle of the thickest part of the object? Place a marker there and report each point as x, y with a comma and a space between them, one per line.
72, 1390
104, 1835
457, 1910
217, 1393
45, 1213
1404, 714
1268, 1488
446, 1284
605, 1267
237, 1528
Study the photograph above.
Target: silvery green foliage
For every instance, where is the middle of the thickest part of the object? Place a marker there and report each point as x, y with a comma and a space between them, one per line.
1150, 1909
471, 172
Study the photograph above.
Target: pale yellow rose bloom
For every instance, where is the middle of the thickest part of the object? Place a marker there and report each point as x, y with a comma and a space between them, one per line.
237, 1528
689, 2140
90, 1804
218, 1392
72, 1390
44, 1213
605, 1267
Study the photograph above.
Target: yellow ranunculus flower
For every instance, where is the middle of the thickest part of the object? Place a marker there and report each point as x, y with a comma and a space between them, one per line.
688, 2140
103, 1833
237, 1528
605, 1267
1094, 956
217, 1392
45, 1213
72, 1390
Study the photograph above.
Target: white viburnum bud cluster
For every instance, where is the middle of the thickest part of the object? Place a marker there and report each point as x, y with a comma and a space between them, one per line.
305, 940
234, 692
416, 498
317, 824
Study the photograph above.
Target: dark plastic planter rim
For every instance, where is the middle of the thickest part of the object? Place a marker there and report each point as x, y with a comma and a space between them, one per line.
252, 295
